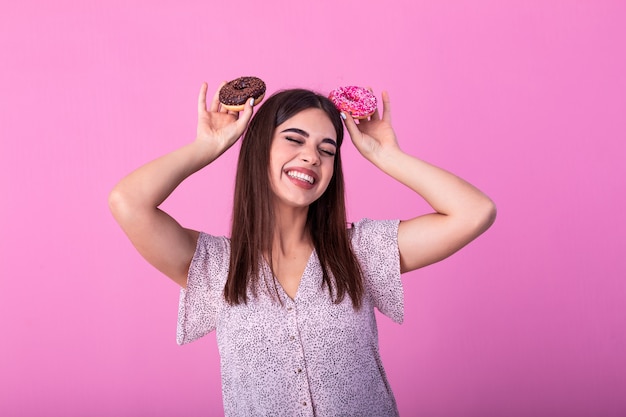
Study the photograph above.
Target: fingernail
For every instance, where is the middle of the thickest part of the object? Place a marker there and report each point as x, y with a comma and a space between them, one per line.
343, 116
252, 101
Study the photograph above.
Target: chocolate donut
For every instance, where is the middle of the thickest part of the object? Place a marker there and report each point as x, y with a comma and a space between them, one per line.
234, 94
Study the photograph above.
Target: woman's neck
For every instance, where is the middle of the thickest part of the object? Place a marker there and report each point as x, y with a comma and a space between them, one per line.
290, 230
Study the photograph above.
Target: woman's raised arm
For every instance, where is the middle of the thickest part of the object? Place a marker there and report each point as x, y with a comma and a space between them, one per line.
135, 200
462, 212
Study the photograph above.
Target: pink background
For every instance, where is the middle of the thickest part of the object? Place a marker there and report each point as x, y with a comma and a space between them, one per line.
525, 99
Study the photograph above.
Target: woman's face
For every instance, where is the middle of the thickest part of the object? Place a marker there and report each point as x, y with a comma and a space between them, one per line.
302, 157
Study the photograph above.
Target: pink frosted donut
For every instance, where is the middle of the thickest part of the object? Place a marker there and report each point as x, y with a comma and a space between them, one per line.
357, 101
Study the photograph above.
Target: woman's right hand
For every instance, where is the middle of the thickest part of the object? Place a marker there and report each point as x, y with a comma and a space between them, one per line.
217, 125
136, 199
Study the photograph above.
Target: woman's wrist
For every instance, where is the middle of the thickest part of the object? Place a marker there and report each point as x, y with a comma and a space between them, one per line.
386, 158
203, 152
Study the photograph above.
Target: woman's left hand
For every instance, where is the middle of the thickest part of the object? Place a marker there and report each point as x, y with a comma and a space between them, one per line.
375, 135
462, 212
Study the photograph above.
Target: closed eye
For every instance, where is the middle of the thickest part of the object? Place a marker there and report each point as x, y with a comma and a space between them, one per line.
290, 139
327, 152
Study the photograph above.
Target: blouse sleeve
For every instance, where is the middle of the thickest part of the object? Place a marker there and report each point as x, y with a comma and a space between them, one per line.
200, 302
376, 246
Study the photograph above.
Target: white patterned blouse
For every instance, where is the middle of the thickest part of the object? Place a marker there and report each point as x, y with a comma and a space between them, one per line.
306, 356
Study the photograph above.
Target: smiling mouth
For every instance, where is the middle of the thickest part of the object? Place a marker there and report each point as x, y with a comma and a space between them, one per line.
301, 176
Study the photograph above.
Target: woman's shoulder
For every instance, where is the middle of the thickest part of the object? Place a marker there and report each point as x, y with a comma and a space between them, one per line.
212, 247
375, 244
368, 232
210, 263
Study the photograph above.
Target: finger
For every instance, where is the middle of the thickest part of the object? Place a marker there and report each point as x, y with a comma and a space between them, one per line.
235, 114
351, 126
245, 115
386, 107
202, 98
215, 103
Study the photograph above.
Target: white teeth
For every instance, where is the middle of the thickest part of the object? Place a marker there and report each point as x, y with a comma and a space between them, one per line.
301, 176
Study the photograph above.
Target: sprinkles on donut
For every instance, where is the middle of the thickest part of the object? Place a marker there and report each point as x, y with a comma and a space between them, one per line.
359, 102
233, 95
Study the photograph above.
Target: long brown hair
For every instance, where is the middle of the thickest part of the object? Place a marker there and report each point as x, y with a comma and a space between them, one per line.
253, 220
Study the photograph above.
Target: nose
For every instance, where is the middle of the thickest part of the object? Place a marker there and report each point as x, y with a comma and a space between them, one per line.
310, 155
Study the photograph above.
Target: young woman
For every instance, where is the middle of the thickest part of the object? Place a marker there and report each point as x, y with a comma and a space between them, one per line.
292, 292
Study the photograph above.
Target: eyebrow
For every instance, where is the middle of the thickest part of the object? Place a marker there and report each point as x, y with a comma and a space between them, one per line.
306, 135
